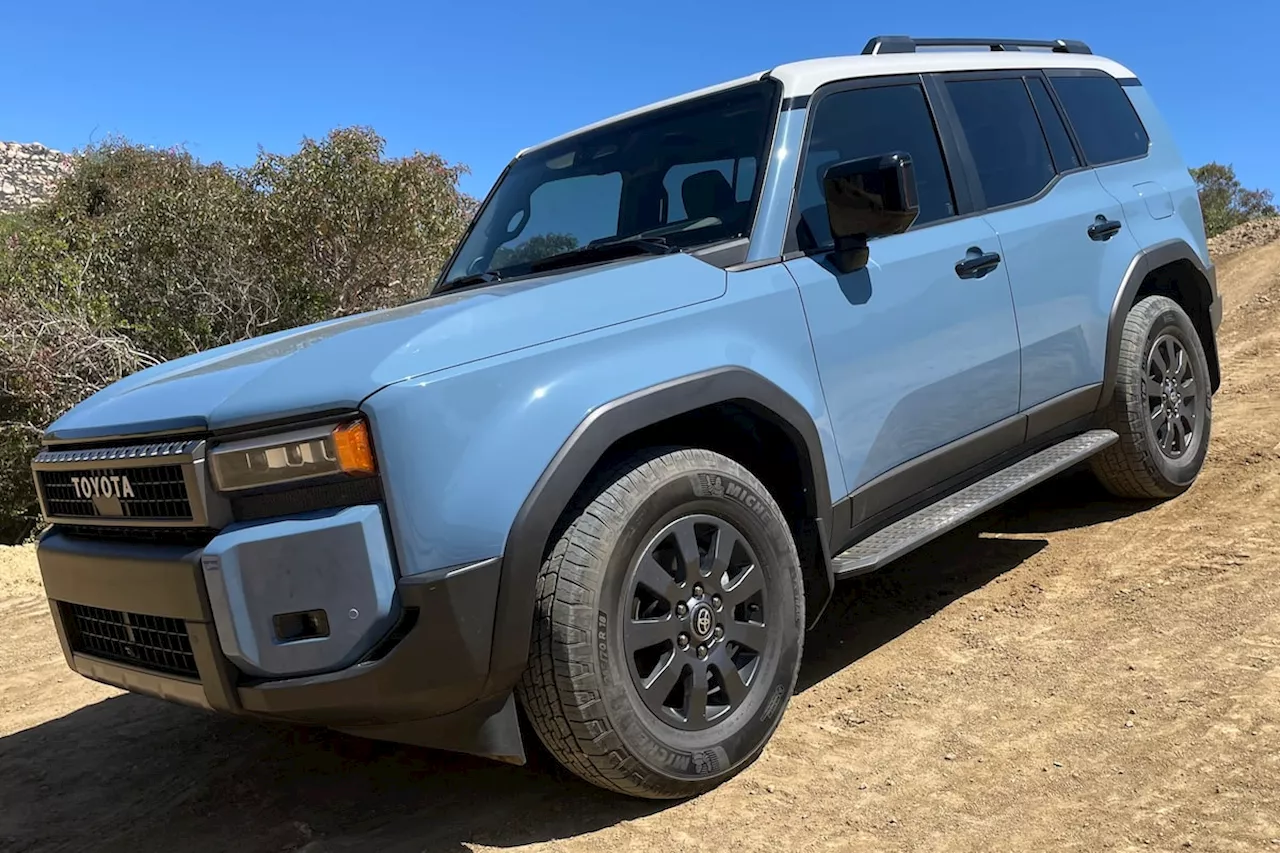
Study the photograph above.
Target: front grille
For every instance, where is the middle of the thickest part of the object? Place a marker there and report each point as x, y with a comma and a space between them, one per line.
157, 643
156, 493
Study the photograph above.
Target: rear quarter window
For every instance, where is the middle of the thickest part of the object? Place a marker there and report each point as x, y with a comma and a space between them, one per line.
1103, 118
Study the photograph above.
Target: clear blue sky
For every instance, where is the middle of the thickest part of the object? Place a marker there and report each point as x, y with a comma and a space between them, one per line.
479, 79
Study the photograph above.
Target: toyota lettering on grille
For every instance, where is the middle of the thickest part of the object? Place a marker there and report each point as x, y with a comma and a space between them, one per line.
105, 492
102, 487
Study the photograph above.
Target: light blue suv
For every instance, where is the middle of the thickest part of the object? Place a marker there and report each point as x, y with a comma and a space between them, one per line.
688, 368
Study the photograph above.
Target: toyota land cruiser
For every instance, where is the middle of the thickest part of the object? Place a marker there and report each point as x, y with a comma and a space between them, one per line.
687, 368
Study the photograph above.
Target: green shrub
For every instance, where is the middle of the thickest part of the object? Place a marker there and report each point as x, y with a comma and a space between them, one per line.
144, 255
1225, 202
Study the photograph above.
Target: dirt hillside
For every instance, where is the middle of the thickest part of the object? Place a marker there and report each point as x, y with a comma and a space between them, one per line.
1068, 673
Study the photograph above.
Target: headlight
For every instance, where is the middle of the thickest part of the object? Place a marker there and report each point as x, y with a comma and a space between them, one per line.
336, 450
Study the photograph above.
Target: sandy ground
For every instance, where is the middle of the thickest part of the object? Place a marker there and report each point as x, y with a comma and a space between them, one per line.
1068, 673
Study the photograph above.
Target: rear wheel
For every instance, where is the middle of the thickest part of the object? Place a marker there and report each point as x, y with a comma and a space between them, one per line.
1162, 407
668, 628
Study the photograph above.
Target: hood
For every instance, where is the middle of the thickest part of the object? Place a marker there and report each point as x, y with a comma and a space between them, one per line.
334, 365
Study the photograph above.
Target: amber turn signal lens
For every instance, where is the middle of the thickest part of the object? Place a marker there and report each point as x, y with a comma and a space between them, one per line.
355, 453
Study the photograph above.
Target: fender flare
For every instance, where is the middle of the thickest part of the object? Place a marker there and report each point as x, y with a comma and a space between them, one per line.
586, 446
1142, 264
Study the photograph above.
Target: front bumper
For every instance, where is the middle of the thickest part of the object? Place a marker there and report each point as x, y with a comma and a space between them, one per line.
420, 682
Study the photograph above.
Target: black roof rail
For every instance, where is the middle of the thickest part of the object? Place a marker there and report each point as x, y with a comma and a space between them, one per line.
907, 44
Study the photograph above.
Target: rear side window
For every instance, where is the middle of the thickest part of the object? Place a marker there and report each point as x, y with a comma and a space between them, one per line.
1004, 136
1103, 118
1064, 154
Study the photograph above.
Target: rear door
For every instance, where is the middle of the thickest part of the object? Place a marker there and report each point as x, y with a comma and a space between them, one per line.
1115, 145
1062, 235
912, 355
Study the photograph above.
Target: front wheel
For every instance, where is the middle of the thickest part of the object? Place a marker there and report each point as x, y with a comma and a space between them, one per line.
668, 631
1162, 407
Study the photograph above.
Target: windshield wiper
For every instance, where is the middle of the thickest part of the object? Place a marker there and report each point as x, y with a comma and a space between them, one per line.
487, 277
605, 250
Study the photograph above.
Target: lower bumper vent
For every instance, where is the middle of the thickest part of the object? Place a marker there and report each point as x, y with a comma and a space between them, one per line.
157, 643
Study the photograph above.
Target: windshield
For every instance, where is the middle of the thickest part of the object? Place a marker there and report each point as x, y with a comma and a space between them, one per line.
685, 175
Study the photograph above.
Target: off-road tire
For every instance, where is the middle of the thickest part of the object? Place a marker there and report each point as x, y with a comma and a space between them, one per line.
1136, 466
579, 692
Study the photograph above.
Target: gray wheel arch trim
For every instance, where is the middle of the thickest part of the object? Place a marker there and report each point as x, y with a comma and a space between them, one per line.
605, 425
1143, 263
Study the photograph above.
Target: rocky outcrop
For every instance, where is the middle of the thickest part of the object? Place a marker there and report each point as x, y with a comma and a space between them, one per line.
1259, 232
28, 173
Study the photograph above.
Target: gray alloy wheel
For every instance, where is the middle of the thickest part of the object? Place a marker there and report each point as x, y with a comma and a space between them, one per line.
695, 605
1162, 407
1174, 397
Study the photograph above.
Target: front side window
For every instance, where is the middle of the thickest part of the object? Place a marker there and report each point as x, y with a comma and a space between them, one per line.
1005, 139
1103, 117
868, 122
682, 176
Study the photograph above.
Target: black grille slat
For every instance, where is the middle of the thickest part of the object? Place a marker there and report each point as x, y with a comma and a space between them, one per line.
189, 536
159, 493
158, 643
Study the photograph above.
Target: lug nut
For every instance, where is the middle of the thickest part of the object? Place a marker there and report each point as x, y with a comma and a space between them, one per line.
716, 602
697, 590
682, 610
683, 641
719, 632
702, 652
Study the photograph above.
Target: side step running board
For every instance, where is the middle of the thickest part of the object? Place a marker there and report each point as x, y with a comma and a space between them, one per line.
932, 521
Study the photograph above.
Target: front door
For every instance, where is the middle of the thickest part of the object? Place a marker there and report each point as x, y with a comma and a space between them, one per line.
912, 353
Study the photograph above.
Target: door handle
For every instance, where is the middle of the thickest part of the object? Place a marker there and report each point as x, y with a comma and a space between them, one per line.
1103, 229
977, 264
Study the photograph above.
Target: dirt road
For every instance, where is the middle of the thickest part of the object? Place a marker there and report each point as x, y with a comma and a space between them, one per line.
1069, 673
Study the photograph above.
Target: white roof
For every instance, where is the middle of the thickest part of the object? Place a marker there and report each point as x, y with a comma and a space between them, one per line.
802, 78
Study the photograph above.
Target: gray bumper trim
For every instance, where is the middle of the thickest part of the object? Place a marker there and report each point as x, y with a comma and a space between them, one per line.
140, 681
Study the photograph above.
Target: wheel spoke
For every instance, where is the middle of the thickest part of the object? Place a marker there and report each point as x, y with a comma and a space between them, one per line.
747, 584
1182, 362
645, 633
655, 578
1153, 387
695, 701
659, 683
1160, 359
1167, 443
1179, 434
1188, 389
752, 635
1158, 416
1188, 426
734, 688
688, 545
726, 540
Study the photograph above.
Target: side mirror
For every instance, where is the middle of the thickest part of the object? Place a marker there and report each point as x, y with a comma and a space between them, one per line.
868, 197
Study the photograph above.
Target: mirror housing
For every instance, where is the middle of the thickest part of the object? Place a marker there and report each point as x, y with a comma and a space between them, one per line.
868, 197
